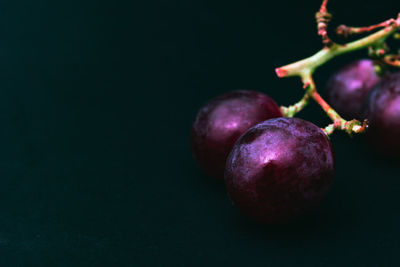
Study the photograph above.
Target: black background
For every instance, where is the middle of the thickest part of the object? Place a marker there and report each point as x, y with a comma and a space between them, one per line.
96, 102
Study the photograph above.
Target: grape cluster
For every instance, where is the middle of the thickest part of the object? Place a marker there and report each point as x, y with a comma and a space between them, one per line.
277, 169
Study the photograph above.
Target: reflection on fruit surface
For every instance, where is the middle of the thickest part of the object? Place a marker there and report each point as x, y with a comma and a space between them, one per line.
383, 113
222, 120
279, 170
347, 88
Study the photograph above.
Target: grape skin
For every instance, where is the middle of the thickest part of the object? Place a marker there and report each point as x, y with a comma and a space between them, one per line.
347, 89
382, 109
279, 170
222, 120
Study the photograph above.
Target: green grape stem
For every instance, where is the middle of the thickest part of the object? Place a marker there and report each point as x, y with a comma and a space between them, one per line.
306, 67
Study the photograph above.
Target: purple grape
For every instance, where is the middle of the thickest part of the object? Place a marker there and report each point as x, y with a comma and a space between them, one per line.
222, 120
279, 170
383, 113
347, 88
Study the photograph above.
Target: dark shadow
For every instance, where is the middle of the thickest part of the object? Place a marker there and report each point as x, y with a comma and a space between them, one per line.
201, 179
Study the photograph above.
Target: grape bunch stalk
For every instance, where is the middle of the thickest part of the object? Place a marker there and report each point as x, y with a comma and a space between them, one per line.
278, 168
306, 67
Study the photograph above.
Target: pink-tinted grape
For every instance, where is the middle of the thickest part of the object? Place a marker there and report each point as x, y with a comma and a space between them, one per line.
222, 120
279, 170
347, 88
383, 113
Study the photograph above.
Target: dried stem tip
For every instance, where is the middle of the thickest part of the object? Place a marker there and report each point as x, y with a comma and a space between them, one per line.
323, 18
